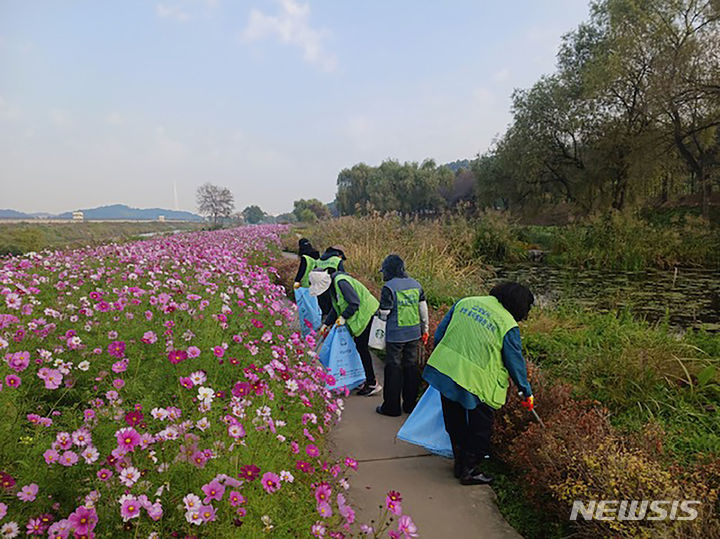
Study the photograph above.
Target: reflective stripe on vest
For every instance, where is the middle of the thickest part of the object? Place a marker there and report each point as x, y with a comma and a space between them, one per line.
470, 350
332, 262
403, 323
368, 304
309, 266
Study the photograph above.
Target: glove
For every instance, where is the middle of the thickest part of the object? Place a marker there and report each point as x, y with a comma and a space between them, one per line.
425, 337
340, 321
528, 403
296, 285
323, 330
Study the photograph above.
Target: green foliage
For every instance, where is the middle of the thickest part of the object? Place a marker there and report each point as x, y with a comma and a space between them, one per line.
407, 188
253, 214
631, 115
18, 238
310, 211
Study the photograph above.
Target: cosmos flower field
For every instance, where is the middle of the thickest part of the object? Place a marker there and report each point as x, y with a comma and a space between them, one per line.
162, 389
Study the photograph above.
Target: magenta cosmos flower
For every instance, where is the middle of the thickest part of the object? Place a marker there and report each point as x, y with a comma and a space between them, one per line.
83, 520
270, 482
249, 472
130, 508
117, 349
127, 438
177, 356
214, 490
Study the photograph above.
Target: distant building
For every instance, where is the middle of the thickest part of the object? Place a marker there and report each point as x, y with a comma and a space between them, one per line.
161, 218
78, 216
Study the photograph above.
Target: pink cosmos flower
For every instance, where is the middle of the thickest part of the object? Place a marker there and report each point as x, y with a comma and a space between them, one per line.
213, 490
12, 380
117, 349
407, 526
68, 458
3, 510
219, 351
18, 361
130, 508
149, 337
104, 474
236, 498
312, 450
207, 513
351, 463
322, 492
127, 438
318, 530
35, 526
51, 456
324, 509
270, 482
60, 529
28, 493
83, 520
193, 352
186, 382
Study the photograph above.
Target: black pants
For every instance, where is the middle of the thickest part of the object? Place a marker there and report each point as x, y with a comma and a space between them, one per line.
361, 343
401, 377
469, 430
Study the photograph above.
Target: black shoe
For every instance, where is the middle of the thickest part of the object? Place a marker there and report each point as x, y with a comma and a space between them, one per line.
475, 477
369, 391
380, 411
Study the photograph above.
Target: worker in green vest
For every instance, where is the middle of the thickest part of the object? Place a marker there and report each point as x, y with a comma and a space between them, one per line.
331, 261
477, 350
308, 258
404, 308
353, 306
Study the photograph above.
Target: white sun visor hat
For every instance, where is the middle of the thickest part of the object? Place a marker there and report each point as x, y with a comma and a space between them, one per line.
319, 282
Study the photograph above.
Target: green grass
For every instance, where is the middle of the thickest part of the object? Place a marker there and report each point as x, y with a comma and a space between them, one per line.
19, 238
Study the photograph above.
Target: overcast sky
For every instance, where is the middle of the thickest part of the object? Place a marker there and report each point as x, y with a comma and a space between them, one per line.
111, 102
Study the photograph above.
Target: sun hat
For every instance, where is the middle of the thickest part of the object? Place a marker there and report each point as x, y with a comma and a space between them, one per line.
319, 282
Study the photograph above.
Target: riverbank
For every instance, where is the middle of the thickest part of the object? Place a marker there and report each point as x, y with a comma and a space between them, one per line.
630, 406
23, 237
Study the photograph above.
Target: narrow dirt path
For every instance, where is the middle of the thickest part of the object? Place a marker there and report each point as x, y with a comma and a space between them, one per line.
440, 507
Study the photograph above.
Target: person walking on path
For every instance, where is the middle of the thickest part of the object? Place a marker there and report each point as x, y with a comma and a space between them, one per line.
353, 306
403, 307
308, 258
477, 346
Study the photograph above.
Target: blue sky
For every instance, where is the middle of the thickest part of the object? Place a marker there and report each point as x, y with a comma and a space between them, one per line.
113, 102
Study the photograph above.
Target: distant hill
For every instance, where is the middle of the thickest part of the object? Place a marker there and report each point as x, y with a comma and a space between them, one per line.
115, 211
121, 211
458, 165
12, 214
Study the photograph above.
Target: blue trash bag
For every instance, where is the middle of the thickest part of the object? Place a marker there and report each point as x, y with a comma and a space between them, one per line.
338, 353
308, 311
426, 427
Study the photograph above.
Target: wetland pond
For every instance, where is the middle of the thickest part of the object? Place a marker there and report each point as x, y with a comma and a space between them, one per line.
689, 297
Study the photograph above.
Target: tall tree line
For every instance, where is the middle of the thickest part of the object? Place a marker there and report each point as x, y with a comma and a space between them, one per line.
631, 113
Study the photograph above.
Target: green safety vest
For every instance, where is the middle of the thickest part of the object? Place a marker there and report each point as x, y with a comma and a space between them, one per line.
332, 262
470, 350
368, 304
309, 266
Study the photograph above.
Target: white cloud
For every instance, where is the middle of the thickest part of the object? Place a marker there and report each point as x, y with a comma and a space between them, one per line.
60, 117
171, 11
115, 118
292, 26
